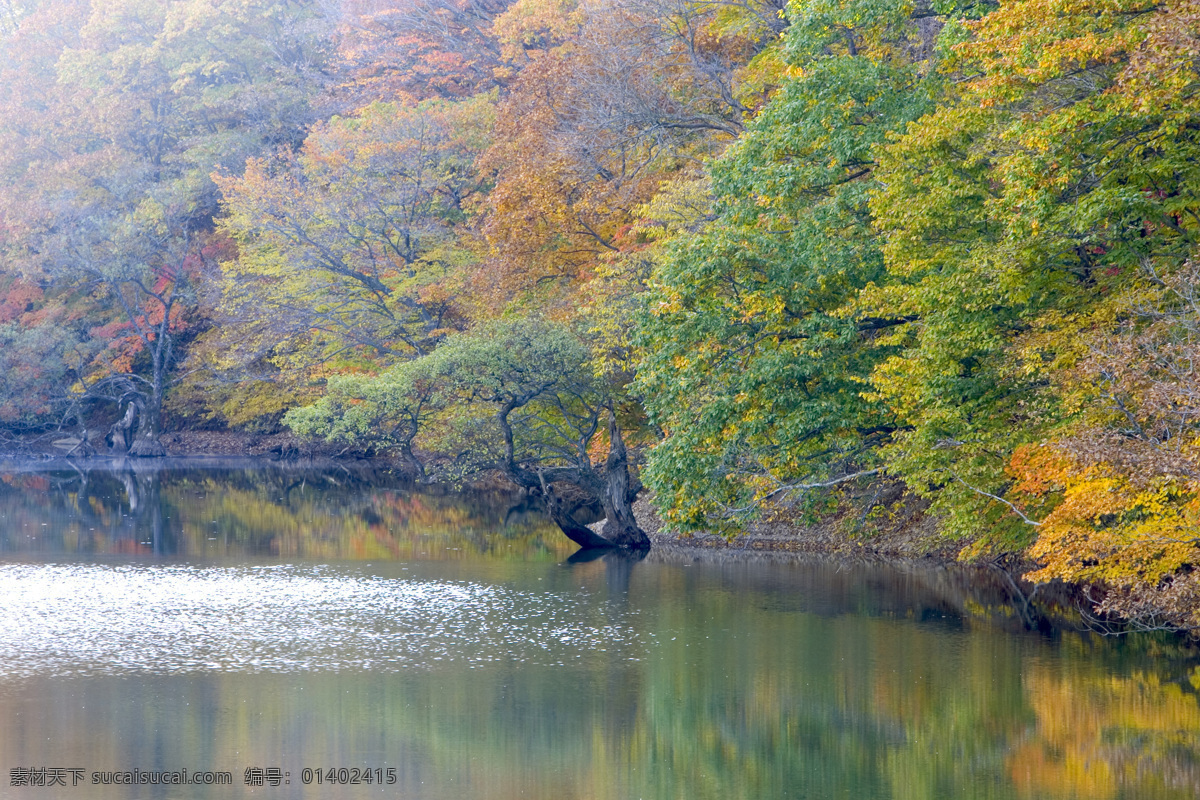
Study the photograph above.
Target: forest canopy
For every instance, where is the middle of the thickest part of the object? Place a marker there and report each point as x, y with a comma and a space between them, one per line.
750, 257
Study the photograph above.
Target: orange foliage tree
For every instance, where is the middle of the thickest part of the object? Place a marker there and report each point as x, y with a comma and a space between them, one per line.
1121, 494
609, 100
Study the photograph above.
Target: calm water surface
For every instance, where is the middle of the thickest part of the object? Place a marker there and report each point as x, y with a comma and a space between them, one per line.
225, 619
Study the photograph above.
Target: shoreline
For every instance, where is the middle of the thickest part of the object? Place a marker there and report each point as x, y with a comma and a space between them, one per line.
902, 536
907, 534
904, 532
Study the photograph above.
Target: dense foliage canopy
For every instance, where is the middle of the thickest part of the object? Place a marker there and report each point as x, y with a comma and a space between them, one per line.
783, 254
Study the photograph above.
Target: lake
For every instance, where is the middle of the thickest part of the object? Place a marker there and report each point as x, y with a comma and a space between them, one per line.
336, 633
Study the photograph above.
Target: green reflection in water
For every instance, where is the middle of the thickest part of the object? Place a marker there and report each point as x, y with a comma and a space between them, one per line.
745, 679
251, 511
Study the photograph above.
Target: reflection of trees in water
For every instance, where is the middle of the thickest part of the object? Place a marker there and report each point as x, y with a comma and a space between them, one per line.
339, 513
769, 717
818, 678
740, 699
344, 513
330, 516
949, 595
1102, 736
894, 680
117, 510
618, 568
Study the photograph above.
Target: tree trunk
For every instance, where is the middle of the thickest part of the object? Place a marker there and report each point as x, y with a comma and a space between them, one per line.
621, 527
411, 462
581, 535
120, 435
145, 441
132, 495
614, 490
152, 502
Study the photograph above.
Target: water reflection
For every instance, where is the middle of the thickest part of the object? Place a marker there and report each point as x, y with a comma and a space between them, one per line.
618, 568
340, 623
364, 514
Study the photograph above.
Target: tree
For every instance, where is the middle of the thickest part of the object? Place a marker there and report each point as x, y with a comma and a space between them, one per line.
1117, 499
386, 411
111, 129
150, 281
1019, 218
129, 271
418, 50
346, 247
517, 396
35, 366
610, 100
755, 356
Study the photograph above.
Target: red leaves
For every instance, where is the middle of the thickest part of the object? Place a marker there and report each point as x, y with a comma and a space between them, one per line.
22, 297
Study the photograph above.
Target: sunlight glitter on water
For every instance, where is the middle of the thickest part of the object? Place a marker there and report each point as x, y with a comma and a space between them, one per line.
93, 619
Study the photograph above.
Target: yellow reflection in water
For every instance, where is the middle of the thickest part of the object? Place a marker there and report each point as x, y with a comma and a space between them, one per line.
1101, 736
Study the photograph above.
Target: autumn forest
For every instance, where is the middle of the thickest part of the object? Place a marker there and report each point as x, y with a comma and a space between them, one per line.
746, 256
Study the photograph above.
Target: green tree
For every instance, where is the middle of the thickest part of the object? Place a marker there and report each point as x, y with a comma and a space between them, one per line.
1024, 220
756, 358
518, 396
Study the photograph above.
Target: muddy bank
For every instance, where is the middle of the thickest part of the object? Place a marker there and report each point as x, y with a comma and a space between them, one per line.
905, 531
275, 446
282, 446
